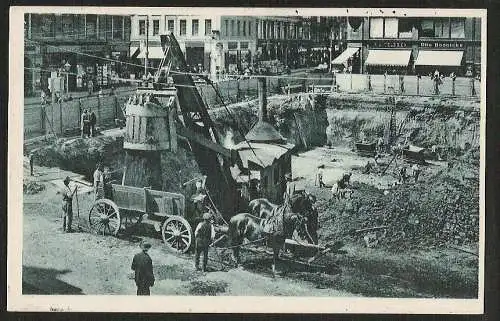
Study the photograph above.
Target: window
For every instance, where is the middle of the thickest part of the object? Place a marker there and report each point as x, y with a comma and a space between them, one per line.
279, 31
264, 30
239, 25
250, 28
67, 26
227, 28
102, 26
170, 26
391, 28
195, 25
405, 27
182, 27
244, 28
243, 45
232, 45
117, 27
427, 28
142, 27
377, 28
91, 26
156, 27
232, 28
442, 28
271, 29
208, 27
457, 28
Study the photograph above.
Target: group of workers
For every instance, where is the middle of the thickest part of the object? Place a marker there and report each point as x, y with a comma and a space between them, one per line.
102, 188
88, 123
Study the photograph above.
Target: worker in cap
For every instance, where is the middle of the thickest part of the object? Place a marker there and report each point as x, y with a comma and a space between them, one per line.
142, 265
204, 235
67, 205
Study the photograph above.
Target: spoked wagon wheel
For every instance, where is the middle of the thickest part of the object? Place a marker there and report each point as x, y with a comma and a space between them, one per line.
104, 217
177, 234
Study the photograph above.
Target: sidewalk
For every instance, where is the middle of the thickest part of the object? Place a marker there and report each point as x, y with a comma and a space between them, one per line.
79, 94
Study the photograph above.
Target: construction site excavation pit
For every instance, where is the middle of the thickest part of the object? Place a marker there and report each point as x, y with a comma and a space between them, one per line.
428, 243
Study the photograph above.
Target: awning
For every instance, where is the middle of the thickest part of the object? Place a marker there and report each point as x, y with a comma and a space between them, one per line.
344, 56
153, 53
439, 58
388, 57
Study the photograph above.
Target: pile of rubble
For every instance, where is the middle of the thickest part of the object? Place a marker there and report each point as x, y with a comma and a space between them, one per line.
442, 210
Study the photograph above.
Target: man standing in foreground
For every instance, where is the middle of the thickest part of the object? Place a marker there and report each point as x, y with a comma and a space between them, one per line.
204, 235
143, 267
67, 205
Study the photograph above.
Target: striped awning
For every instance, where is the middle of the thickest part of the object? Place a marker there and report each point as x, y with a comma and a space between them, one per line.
342, 58
439, 58
398, 58
153, 53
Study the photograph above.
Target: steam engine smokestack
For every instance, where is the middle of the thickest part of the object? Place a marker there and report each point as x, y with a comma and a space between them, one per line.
262, 99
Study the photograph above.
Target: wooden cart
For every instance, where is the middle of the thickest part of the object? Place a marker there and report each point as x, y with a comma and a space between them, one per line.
128, 206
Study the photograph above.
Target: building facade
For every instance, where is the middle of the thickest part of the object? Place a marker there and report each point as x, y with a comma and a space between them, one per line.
414, 45
230, 44
79, 44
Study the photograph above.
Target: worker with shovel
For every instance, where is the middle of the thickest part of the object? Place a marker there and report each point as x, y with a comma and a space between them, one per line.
67, 205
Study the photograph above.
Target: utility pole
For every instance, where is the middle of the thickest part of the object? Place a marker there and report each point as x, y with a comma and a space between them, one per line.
147, 47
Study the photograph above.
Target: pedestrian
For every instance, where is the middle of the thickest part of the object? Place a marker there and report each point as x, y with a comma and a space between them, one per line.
380, 145
67, 205
30, 157
319, 176
142, 265
403, 176
43, 97
98, 182
204, 235
85, 124
437, 81
415, 171
402, 83
90, 86
92, 123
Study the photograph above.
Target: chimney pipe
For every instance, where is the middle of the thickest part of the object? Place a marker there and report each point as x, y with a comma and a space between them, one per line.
262, 99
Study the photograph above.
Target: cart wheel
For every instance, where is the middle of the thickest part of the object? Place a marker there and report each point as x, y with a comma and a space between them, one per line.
104, 217
176, 233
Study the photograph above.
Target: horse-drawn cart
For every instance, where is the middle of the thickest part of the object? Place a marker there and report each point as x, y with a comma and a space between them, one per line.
127, 206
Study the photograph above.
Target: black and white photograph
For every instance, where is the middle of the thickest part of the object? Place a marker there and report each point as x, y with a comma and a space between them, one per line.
246, 160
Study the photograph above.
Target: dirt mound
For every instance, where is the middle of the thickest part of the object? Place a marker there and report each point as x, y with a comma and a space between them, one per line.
78, 154
442, 210
31, 188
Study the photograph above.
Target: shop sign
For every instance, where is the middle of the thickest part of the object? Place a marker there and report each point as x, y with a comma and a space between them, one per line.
442, 45
390, 44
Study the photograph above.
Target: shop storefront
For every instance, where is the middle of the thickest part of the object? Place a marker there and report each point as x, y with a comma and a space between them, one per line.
421, 56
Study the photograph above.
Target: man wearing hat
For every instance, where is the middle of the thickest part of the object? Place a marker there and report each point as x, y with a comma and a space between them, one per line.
143, 267
204, 235
67, 205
